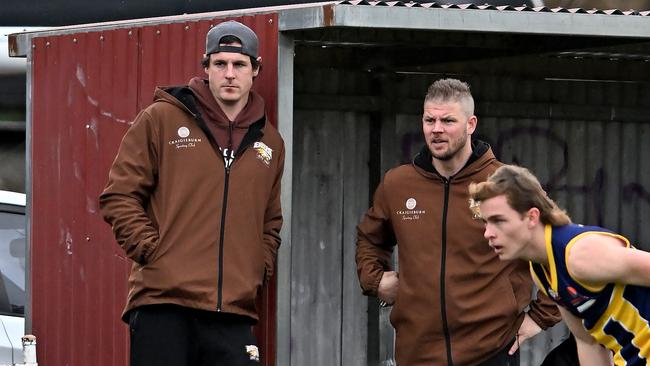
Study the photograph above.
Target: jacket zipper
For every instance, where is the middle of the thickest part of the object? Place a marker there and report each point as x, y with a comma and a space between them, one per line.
228, 159
443, 303
221, 236
208, 134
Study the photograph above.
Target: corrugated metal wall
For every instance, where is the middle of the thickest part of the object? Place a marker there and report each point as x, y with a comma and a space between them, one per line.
87, 87
584, 138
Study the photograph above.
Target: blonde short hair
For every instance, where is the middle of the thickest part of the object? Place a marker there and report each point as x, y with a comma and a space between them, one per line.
451, 90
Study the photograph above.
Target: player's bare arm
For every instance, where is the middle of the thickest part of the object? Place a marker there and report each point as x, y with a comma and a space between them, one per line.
598, 259
590, 353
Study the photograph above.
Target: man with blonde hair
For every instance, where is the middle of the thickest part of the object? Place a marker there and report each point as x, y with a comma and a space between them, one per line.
454, 302
600, 281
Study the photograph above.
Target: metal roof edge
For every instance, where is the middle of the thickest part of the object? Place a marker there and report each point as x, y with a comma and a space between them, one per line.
19, 43
308, 17
344, 14
455, 19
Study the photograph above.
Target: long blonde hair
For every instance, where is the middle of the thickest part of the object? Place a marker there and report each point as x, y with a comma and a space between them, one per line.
523, 192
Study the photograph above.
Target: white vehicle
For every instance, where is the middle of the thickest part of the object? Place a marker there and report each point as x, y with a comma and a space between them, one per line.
12, 277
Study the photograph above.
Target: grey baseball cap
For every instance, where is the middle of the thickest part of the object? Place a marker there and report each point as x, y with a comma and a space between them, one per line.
248, 38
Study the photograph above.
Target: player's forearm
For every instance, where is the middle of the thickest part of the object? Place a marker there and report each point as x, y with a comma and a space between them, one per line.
637, 268
593, 354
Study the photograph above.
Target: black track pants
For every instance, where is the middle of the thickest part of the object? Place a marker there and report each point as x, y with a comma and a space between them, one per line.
565, 354
503, 358
170, 335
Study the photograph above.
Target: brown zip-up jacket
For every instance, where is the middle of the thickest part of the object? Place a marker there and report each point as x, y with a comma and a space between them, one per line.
200, 235
457, 303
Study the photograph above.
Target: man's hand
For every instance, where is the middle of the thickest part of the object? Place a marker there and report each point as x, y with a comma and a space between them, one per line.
528, 329
387, 291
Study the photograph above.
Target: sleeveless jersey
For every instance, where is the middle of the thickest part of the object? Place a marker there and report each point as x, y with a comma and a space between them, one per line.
616, 315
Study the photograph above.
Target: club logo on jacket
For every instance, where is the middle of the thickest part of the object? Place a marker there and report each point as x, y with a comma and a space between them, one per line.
253, 353
184, 141
410, 213
264, 153
228, 157
475, 209
183, 132
411, 203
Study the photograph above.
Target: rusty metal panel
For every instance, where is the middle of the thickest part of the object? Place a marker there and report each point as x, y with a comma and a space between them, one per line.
87, 87
82, 98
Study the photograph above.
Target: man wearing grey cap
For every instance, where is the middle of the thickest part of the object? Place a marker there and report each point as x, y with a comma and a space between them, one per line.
193, 198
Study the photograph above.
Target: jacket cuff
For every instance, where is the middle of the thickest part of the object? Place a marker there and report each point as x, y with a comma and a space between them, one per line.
544, 321
146, 253
371, 287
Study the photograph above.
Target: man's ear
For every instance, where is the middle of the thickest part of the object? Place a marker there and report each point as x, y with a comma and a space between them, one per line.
533, 215
471, 124
259, 65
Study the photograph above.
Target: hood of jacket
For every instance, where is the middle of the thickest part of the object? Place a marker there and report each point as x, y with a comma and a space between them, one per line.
197, 99
227, 133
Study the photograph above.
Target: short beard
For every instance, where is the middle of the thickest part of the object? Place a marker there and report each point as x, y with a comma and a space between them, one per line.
449, 154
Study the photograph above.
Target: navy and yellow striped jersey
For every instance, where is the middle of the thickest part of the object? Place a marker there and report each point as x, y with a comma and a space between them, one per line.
616, 315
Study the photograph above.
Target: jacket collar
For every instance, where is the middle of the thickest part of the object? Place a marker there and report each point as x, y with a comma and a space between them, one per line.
480, 151
184, 98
